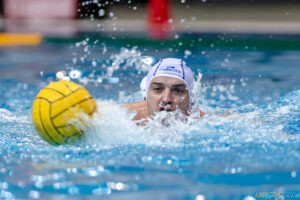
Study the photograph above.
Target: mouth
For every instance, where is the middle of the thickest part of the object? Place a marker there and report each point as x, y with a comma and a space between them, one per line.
165, 109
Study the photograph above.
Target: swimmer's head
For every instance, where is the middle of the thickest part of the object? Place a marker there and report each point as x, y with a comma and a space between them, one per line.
170, 83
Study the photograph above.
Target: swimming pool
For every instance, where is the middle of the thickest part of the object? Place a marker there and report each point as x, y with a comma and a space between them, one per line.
254, 82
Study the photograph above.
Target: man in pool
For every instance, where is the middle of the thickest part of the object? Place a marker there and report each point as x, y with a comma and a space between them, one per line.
167, 87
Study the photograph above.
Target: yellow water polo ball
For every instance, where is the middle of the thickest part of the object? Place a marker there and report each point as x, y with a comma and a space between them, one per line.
57, 106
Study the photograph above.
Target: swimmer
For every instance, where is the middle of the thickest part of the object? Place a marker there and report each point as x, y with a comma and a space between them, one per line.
167, 87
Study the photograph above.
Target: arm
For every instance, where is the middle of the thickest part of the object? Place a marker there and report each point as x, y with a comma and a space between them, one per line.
141, 109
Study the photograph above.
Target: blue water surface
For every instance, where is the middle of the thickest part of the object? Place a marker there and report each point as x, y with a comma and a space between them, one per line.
248, 143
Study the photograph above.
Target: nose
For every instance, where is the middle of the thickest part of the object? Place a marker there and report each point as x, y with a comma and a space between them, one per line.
167, 99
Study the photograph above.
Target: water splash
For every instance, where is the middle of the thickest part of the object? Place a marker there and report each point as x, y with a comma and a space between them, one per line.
126, 59
7, 116
249, 124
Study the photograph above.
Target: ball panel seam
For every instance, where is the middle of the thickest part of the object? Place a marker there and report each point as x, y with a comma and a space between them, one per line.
94, 109
43, 99
67, 95
79, 102
67, 86
53, 123
55, 91
52, 140
64, 126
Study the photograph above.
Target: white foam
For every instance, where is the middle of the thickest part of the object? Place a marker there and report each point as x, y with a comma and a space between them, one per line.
8, 116
112, 125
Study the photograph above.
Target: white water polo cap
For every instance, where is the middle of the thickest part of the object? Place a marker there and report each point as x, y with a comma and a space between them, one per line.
171, 67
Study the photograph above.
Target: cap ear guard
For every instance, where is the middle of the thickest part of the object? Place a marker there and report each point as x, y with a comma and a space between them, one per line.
143, 86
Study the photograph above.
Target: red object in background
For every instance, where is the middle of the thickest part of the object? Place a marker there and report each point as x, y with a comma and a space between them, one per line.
158, 18
44, 9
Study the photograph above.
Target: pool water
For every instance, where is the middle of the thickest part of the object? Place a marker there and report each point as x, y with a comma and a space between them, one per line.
248, 143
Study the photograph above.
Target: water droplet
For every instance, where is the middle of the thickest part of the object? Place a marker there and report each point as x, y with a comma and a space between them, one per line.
94, 63
200, 197
99, 80
73, 190
66, 78
34, 194
101, 12
249, 198
233, 170
6, 195
77, 44
187, 53
21, 184
4, 186
113, 80
74, 60
60, 74
101, 191
169, 162
3, 170
75, 74
120, 186
148, 60
92, 173
39, 184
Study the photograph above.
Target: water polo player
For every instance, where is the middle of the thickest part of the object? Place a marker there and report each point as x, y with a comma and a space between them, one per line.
168, 86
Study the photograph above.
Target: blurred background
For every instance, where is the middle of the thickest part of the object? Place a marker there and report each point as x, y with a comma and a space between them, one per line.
69, 16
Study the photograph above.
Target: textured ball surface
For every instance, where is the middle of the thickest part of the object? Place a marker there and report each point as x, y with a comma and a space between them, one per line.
57, 106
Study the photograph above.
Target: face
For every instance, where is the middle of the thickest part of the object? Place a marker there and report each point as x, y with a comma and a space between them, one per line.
167, 93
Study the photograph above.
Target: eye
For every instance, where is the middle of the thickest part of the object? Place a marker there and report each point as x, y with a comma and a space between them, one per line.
178, 91
157, 89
